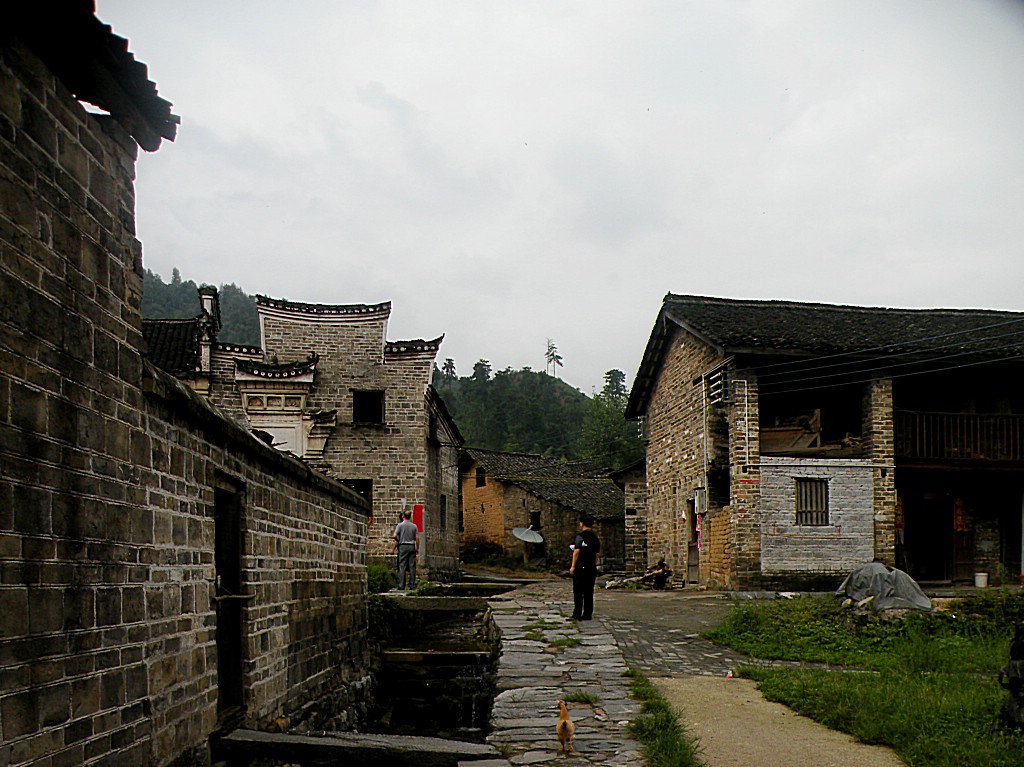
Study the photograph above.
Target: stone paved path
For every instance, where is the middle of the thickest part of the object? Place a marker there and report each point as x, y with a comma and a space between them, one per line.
654, 633
535, 673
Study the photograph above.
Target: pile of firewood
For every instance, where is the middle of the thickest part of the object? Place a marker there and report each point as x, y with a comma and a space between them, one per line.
656, 577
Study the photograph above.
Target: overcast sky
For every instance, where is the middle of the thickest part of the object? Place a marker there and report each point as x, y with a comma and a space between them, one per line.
509, 172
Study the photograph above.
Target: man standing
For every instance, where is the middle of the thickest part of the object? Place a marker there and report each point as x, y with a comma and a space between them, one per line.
407, 540
585, 550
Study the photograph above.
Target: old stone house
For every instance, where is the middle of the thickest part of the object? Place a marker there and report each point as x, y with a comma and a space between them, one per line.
504, 491
165, 574
633, 481
327, 387
790, 442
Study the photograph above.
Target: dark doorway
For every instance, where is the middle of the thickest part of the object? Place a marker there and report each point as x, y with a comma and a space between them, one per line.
929, 540
230, 601
692, 544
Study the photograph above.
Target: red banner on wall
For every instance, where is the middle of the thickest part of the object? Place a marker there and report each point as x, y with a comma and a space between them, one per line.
417, 516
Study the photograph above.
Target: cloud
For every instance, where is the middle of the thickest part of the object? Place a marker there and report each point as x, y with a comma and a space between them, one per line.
511, 172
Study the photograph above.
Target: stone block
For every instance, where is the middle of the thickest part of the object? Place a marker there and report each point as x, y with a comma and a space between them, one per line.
19, 714
54, 704
85, 696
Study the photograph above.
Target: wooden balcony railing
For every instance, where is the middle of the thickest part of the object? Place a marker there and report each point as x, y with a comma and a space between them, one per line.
959, 436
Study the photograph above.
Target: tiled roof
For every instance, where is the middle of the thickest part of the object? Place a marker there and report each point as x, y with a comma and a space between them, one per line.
418, 346
574, 484
275, 370
790, 327
94, 64
323, 309
804, 330
172, 345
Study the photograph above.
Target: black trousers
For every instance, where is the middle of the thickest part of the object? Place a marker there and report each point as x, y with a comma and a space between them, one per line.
583, 592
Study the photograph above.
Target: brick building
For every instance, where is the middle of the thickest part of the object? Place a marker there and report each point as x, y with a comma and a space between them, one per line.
788, 443
633, 481
165, 574
326, 386
504, 491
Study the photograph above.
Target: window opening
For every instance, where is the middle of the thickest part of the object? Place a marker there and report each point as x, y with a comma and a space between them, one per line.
812, 502
367, 407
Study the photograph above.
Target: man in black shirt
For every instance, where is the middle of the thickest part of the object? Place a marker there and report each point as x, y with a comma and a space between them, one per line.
585, 550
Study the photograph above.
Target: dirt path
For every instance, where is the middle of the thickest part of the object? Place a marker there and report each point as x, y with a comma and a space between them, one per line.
735, 725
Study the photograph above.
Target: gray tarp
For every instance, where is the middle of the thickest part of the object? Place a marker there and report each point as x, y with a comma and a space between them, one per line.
892, 589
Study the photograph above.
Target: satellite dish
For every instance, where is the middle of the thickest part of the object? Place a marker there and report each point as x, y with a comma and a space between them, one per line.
527, 534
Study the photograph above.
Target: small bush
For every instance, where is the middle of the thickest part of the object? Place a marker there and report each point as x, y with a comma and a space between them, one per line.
379, 579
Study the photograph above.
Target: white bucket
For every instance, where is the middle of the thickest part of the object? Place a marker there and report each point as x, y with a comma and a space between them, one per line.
980, 580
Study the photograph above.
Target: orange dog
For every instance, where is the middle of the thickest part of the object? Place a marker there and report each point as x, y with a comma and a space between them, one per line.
565, 729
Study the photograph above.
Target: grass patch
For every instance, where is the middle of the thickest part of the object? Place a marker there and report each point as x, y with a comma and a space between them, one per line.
657, 728
931, 693
563, 642
581, 697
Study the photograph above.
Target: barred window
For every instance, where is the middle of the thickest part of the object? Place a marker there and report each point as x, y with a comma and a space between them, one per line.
812, 502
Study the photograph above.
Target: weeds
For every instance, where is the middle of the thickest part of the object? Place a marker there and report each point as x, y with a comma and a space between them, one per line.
581, 697
657, 728
563, 642
933, 696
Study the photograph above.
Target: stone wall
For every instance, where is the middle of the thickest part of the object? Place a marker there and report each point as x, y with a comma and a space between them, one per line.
879, 435
112, 473
677, 426
634, 486
442, 488
746, 517
223, 391
832, 550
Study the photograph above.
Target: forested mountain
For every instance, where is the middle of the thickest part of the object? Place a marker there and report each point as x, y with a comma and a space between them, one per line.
522, 411
179, 300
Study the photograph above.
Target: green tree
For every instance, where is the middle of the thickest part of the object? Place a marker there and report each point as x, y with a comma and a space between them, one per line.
516, 410
240, 322
179, 300
554, 359
607, 438
482, 371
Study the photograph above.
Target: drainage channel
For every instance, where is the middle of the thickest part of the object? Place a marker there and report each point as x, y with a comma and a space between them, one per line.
436, 686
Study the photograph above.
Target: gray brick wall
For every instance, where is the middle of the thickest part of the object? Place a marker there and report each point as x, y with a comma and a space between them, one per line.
835, 549
109, 473
404, 465
678, 422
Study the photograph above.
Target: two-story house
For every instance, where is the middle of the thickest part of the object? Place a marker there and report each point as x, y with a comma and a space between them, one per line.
326, 386
789, 442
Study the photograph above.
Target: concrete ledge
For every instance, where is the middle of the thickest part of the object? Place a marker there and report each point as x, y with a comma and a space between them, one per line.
441, 604
242, 746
